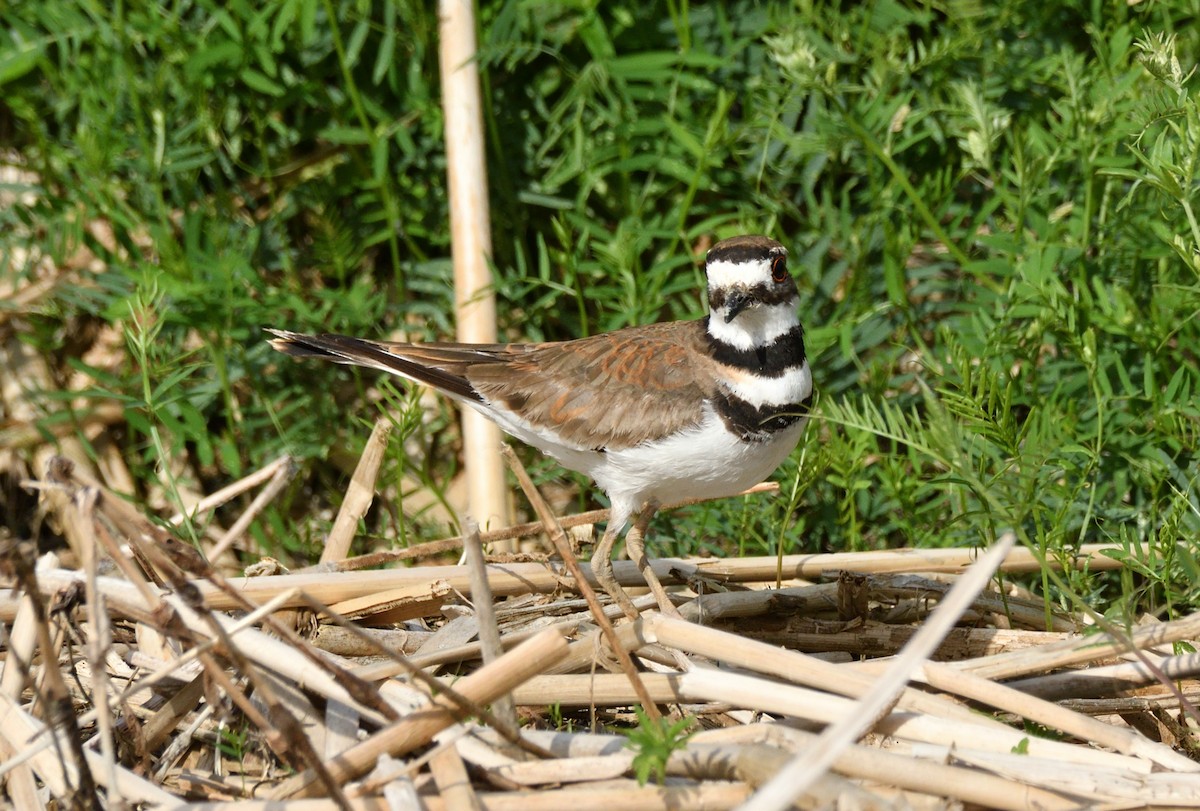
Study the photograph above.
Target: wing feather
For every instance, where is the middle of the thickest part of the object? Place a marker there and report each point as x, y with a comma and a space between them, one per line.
610, 391
606, 392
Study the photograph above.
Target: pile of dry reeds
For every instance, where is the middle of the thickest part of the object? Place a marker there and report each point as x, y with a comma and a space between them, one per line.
898, 679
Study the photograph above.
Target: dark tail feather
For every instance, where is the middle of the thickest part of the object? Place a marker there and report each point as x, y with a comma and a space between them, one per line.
359, 352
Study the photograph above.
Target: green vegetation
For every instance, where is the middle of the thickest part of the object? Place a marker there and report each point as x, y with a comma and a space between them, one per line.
654, 739
991, 208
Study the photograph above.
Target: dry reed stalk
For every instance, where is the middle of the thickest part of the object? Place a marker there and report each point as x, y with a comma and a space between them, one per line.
418, 728
521, 578
99, 641
453, 782
792, 666
600, 690
480, 748
590, 646
1053, 716
274, 487
55, 699
749, 764
485, 615
563, 771
1139, 703
977, 764
359, 493
1025, 612
935, 778
1095, 785
62, 776
1108, 679
340, 727
809, 567
822, 598
231, 491
625, 795
756, 763
504, 578
470, 245
801, 772
1080, 650
373, 803
338, 640
398, 604
874, 638
810, 705
159, 726
526, 611
175, 561
568, 627
14, 672
436, 656
19, 297
373, 559
176, 663
730, 605
21, 435
26, 375
456, 631
266, 651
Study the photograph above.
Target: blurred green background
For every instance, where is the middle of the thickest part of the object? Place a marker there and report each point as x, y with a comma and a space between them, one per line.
991, 210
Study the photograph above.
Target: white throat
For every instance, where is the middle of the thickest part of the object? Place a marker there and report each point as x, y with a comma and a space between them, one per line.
755, 326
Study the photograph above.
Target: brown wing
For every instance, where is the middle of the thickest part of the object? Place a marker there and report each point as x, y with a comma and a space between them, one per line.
611, 391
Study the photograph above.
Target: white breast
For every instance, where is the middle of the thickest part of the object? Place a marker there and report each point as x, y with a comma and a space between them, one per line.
704, 462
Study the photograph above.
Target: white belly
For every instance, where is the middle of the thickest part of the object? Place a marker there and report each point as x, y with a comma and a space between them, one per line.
706, 462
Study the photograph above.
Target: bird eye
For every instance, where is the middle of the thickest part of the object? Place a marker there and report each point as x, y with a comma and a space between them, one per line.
779, 272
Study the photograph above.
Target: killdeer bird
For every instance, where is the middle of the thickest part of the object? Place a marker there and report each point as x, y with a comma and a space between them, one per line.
653, 414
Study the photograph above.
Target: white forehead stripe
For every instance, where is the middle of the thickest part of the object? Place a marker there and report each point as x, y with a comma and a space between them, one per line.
722, 274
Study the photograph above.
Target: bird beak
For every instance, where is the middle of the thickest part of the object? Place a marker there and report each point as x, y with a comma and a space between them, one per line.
735, 302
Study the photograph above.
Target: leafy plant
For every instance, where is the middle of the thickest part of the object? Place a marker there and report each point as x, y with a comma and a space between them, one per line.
654, 739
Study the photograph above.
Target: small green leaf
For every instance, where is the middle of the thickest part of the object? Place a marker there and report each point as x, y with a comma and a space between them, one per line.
17, 62
308, 21
345, 135
386, 53
354, 45
257, 81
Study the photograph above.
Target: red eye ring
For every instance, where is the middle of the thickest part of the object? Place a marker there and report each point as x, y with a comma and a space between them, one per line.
779, 271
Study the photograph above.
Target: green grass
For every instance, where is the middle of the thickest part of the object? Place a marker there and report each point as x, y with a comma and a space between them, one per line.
991, 209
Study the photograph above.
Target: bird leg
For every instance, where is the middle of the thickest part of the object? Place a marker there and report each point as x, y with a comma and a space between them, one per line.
636, 547
603, 569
